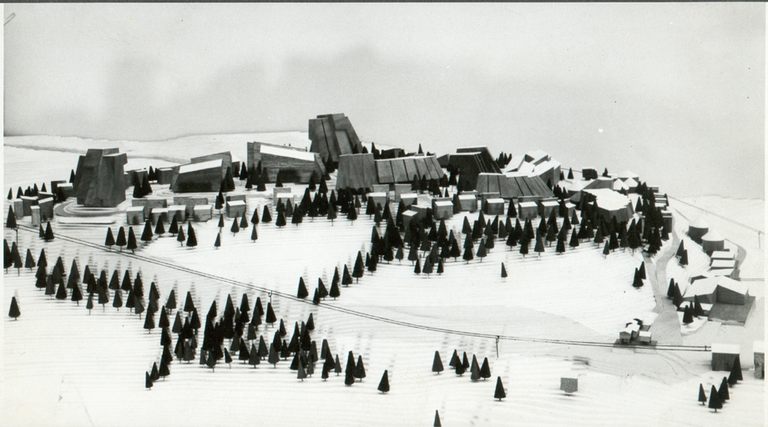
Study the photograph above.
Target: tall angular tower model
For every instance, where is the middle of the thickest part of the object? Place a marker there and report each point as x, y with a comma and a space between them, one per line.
99, 178
333, 135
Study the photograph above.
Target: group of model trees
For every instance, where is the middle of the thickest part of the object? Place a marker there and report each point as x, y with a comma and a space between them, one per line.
719, 395
128, 241
141, 187
690, 310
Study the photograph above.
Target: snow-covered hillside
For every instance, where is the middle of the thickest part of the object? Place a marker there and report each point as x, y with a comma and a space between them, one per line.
88, 369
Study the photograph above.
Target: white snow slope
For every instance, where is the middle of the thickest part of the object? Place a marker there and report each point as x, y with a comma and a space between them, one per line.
62, 366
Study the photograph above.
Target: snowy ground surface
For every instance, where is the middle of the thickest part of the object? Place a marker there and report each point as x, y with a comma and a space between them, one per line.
62, 366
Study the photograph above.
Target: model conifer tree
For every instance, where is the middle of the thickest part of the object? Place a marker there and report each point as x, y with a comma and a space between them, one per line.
48, 236
346, 278
89, 304
271, 318
702, 397
384, 383
14, 311
499, 393
360, 368
61, 292
77, 294
485, 369
131, 243
146, 234
191, 238
174, 227
475, 369
482, 251
117, 301
160, 227
302, 292
335, 291
714, 399
735, 375
437, 363
723, 392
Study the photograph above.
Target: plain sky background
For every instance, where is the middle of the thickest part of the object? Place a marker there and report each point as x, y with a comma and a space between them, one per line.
675, 92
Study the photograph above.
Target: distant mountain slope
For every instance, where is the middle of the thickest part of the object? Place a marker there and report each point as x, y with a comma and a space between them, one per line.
176, 150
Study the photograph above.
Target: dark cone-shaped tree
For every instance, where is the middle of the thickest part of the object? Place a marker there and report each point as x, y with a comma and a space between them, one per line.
714, 400
154, 374
503, 271
160, 230
302, 292
485, 370
698, 310
121, 239
499, 393
29, 262
174, 227
437, 422
335, 292
147, 381
437, 363
146, 234
349, 378
89, 304
735, 374
191, 238
61, 292
48, 236
77, 294
110, 239
687, 315
702, 397
273, 357
271, 318
217, 243
723, 392
14, 311
474, 370
384, 383
149, 321
117, 301
280, 222
131, 245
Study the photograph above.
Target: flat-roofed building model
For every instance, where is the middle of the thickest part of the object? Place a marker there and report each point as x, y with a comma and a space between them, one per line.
202, 174
99, 178
513, 187
332, 135
294, 165
610, 204
362, 171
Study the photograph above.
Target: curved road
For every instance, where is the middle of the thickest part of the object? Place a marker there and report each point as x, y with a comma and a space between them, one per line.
666, 327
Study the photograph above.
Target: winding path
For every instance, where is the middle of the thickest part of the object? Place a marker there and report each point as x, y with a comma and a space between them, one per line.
666, 327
